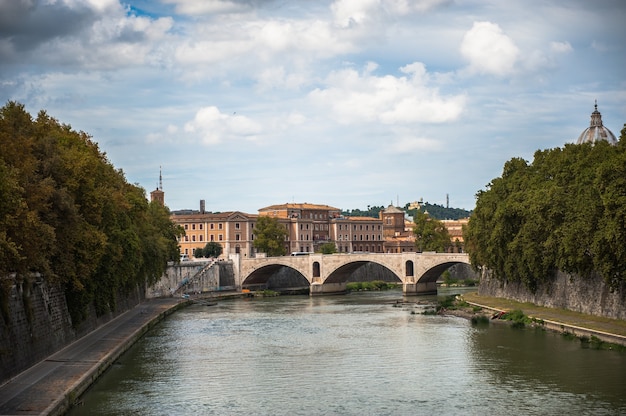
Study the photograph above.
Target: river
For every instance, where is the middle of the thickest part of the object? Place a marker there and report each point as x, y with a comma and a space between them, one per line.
358, 354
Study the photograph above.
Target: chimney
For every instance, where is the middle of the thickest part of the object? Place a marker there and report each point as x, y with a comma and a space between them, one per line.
202, 206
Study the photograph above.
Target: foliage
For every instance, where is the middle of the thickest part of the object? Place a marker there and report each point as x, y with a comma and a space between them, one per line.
372, 211
436, 211
370, 286
564, 211
430, 234
211, 249
327, 248
269, 236
439, 212
67, 213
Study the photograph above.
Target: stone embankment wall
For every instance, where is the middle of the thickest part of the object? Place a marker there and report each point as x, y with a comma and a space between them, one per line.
36, 323
586, 295
220, 275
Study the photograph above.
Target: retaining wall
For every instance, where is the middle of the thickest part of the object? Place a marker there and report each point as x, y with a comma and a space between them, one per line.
586, 295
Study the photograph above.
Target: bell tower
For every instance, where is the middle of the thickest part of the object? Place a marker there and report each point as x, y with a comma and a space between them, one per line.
158, 195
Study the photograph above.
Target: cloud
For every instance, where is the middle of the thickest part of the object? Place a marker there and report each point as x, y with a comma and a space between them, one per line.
489, 50
561, 47
211, 126
351, 97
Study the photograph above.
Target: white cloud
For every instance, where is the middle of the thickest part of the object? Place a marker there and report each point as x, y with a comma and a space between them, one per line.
351, 97
561, 47
411, 144
212, 126
195, 7
489, 50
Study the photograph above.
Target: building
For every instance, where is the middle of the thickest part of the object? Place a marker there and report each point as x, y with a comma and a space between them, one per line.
455, 229
596, 131
308, 227
232, 230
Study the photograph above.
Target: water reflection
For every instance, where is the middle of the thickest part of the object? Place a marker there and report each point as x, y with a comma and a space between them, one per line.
351, 355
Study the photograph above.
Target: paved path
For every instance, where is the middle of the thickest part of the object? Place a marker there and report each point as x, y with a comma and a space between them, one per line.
48, 388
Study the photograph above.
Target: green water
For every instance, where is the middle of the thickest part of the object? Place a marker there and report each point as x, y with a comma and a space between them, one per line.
357, 354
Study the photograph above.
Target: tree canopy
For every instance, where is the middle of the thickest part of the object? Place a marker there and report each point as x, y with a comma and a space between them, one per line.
68, 214
564, 211
269, 236
430, 234
211, 249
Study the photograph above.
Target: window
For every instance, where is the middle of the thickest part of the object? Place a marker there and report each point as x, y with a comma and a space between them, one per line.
212, 237
186, 238
212, 226
201, 238
237, 237
186, 226
193, 238
219, 226
236, 226
193, 226
219, 237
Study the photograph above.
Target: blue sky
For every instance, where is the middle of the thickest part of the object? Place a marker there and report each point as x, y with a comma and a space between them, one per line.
249, 103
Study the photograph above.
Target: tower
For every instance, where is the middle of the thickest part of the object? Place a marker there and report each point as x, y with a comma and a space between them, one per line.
158, 195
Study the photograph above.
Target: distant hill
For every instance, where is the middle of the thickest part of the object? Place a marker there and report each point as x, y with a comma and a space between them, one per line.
440, 212
435, 211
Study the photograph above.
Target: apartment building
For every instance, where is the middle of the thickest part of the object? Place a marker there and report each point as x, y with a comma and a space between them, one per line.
308, 227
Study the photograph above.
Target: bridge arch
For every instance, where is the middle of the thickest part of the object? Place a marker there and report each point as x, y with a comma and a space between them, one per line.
342, 274
265, 277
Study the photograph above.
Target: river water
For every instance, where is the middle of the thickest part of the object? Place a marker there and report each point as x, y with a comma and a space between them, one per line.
357, 354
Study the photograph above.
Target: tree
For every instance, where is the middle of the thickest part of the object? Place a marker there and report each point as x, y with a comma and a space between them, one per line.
212, 249
327, 248
69, 215
565, 211
269, 236
430, 234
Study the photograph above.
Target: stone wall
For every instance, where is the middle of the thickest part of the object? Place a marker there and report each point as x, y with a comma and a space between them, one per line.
217, 277
36, 323
587, 295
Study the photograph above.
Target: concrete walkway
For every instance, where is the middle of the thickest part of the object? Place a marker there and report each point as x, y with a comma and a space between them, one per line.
51, 387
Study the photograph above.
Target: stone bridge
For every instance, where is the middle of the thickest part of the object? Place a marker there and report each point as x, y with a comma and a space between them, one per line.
329, 273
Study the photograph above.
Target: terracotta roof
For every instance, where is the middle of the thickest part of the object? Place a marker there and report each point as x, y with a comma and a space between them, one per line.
304, 205
363, 219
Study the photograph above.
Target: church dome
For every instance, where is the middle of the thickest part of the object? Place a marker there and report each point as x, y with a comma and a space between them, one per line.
596, 131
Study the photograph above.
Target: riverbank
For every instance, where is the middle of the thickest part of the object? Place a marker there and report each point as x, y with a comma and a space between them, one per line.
52, 386
559, 320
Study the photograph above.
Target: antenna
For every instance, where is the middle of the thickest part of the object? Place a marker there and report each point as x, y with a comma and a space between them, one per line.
447, 201
160, 180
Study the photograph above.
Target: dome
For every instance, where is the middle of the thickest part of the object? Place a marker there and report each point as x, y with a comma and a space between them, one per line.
596, 131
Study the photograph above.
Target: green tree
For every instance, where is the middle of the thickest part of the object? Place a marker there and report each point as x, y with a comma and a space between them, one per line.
269, 236
430, 234
564, 211
69, 215
213, 249
327, 248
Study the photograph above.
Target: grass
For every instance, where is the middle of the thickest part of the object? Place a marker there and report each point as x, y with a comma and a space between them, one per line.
598, 323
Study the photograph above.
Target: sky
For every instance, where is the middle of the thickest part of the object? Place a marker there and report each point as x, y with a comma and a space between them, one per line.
348, 103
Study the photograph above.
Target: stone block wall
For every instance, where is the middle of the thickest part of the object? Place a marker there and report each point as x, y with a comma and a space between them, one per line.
36, 322
586, 295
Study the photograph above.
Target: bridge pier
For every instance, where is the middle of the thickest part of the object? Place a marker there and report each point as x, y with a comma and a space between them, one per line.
328, 289
427, 288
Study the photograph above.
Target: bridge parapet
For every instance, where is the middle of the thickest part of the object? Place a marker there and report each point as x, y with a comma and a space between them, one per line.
417, 271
